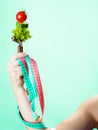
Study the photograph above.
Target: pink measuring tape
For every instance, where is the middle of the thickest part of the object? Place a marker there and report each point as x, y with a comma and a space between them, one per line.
37, 79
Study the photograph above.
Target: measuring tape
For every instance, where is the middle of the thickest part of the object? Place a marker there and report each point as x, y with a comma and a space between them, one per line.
34, 90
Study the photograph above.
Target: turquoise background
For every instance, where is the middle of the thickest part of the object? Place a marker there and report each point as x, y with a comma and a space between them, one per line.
65, 46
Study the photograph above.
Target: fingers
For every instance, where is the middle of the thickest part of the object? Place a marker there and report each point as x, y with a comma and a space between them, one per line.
17, 55
19, 75
17, 69
14, 64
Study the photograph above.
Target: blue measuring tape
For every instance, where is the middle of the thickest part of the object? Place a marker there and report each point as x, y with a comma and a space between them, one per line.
33, 95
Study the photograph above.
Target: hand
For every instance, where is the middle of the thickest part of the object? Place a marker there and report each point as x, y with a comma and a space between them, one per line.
15, 70
17, 84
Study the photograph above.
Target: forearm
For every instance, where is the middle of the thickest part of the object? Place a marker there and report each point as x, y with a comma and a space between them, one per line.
17, 81
23, 103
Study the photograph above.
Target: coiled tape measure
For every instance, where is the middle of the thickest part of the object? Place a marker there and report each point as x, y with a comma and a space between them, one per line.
34, 89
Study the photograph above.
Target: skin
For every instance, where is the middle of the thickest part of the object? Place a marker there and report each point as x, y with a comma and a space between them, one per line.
85, 117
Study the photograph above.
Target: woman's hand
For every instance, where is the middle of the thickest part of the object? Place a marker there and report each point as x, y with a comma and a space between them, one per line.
17, 85
15, 70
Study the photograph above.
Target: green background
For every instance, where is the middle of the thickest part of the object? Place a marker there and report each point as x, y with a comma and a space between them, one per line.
65, 46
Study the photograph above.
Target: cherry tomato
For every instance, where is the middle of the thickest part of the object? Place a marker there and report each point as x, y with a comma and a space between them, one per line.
21, 16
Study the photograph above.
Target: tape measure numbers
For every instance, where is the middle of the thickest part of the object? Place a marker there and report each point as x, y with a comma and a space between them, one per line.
34, 87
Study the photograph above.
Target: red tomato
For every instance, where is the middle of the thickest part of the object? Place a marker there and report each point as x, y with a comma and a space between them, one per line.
21, 16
